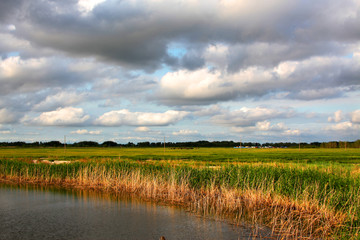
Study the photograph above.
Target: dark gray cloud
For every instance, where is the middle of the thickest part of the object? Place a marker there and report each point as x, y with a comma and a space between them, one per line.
8, 8
192, 60
269, 54
108, 34
137, 34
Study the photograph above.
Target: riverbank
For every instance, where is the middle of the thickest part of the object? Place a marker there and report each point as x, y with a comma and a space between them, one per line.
294, 203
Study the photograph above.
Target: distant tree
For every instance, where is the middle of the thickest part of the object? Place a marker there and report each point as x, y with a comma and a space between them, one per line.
52, 144
86, 144
130, 144
18, 144
315, 144
143, 144
109, 144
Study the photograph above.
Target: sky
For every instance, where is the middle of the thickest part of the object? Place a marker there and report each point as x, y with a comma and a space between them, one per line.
187, 70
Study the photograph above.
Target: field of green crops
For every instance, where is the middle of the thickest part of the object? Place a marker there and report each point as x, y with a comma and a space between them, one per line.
328, 177
215, 155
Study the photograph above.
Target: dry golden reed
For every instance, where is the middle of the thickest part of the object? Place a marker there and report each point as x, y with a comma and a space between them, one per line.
287, 218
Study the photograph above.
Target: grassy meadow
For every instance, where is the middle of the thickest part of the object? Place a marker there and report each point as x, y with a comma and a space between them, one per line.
306, 193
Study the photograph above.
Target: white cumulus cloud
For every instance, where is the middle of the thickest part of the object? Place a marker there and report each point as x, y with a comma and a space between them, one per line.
142, 129
184, 132
6, 132
125, 117
86, 132
61, 117
338, 117
309, 79
343, 126
355, 116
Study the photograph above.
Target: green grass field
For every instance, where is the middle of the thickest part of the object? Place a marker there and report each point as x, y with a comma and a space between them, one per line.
216, 155
323, 181
340, 160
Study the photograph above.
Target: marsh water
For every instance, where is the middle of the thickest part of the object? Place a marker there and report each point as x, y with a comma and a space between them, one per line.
35, 212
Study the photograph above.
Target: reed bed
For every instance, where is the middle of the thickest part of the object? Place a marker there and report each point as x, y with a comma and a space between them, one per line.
293, 202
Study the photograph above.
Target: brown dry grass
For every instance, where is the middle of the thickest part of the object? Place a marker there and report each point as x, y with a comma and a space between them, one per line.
288, 219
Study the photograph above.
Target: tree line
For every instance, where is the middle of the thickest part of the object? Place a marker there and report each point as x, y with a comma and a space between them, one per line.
197, 144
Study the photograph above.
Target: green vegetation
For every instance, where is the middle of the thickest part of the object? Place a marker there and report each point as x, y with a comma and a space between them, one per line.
202, 144
315, 191
198, 155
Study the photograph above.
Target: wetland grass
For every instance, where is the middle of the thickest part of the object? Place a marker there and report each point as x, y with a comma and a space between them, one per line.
294, 200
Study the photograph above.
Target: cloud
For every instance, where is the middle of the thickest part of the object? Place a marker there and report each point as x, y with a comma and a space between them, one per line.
194, 87
209, 111
86, 6
44, 84
6, 132
67, 116
86, 132
314, 78
245, 117
343, 126
338, 117
6, 116
255, 120
217, 55
125, 117
8, 8
184, 132
265, 126
355, 117
134, 138
142, 129
19, 75
130, 85
314, 94
293, 30
148, 131
295, 132
60, 99
11, 27
122, 54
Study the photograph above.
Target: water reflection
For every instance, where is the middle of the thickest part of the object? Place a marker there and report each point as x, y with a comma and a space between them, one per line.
38, 212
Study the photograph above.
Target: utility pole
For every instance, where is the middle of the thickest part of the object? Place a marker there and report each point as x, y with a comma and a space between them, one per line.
164, 145
64, 144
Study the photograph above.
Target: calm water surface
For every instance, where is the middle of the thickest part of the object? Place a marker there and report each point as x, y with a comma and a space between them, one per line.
35, 212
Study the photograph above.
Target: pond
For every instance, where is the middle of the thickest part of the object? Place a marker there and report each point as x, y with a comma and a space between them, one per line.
37, 212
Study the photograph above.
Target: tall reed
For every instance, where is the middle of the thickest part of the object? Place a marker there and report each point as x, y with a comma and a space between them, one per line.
293, 202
